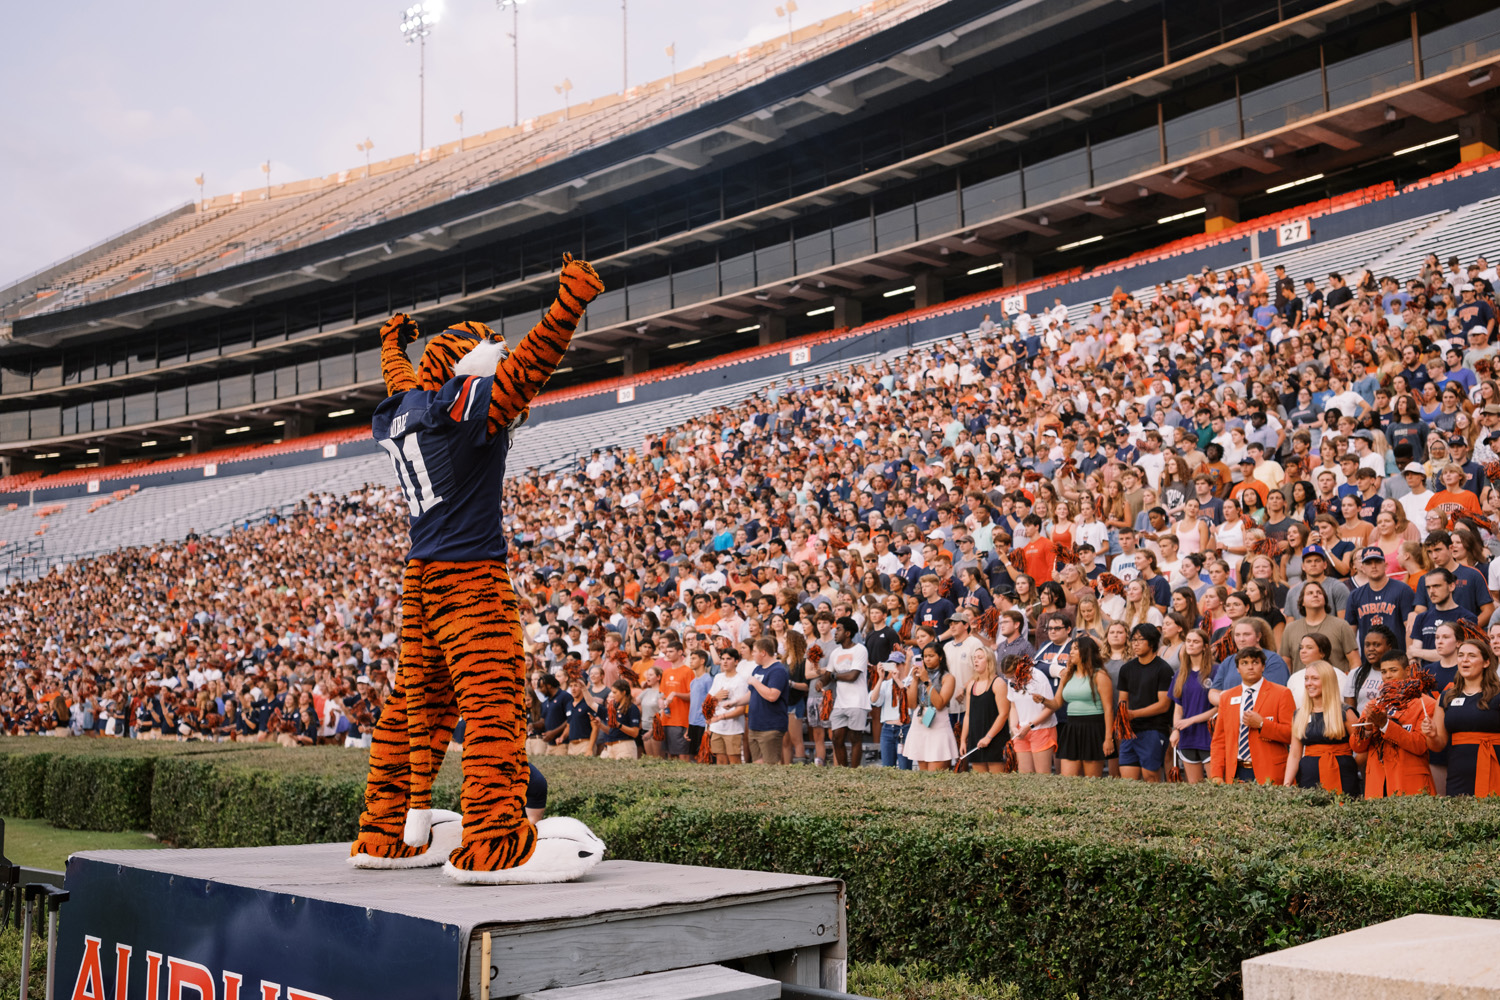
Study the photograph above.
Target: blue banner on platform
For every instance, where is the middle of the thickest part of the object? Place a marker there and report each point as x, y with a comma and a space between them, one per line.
132, 934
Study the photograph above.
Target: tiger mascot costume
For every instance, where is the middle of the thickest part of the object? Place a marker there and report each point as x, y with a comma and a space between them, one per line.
447, 427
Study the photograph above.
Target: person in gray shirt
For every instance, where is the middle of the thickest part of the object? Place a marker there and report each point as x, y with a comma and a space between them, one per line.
1315, 567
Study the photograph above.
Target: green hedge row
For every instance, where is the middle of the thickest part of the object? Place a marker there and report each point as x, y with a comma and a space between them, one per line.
1103, 889
87, 784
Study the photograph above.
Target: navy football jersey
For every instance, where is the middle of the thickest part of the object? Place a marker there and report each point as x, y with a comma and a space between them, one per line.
451, 471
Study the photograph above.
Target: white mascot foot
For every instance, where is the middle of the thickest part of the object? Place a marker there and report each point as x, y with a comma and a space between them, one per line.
446, 834
565, 851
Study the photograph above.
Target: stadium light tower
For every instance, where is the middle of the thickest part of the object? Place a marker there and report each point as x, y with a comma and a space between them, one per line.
416, 24
515, 51
787, 10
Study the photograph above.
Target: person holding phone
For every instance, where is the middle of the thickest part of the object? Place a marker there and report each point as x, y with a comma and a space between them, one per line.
930, 743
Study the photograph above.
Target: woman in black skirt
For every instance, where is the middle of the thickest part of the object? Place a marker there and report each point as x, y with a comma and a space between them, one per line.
985, 731
1084, 739
1320, 756
1467, 722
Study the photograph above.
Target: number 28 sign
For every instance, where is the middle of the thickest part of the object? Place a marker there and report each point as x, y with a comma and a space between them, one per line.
1295, 231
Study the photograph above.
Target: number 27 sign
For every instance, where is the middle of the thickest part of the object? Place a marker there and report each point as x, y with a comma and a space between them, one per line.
1295, 231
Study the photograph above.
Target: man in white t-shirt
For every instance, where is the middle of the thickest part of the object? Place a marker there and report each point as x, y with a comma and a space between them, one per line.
959, 654
731, 689
1415, 502
1345, 400
849, 665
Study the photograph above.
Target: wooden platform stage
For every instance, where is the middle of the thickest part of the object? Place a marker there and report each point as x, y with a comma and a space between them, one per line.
283, 923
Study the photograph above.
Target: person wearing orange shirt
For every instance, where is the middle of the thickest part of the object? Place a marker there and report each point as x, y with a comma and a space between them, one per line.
1249, 483
706, 613
1038, 557
1254, 730
1453, 498
676, 694
1390, 733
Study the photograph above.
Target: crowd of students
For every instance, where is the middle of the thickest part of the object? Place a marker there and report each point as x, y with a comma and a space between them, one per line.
1239, 528
283, 631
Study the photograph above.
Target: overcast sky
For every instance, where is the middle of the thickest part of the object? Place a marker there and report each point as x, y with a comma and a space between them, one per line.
113, 108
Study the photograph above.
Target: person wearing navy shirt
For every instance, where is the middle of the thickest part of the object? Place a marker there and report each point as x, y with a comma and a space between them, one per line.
579, 738
910, 572
1415, 372
1382, 601
1437, 586
767, 720
1091, 460
618, 738
1471, 591
935, 610
555, 711
1052, 656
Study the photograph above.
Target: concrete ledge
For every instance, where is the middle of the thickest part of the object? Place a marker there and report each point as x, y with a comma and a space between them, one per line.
1420, 957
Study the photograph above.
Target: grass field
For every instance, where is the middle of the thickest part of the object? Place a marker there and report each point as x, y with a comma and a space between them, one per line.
35, 843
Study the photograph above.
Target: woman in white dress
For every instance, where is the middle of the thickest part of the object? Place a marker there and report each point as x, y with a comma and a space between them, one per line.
930, 743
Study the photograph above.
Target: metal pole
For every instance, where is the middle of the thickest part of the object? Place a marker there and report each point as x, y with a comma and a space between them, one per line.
515, 45
421, 92
25, 948
51, 949
624, 47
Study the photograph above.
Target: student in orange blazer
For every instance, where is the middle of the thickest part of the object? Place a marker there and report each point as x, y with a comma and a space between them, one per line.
1269, 722
1398, 765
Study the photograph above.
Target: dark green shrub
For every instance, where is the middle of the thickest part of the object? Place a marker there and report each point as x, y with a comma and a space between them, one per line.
99, 793
23, 784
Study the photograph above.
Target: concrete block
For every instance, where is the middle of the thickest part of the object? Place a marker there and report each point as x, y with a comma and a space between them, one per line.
1420, 957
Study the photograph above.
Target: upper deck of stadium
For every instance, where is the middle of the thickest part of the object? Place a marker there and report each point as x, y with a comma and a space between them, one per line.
217, 233
906, 155
233, 228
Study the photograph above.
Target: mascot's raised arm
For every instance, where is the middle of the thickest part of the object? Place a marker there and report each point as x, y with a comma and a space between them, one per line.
447, 426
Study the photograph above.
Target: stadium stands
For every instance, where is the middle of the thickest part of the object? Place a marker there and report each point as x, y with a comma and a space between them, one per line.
551, 443
83, 527
931, 436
